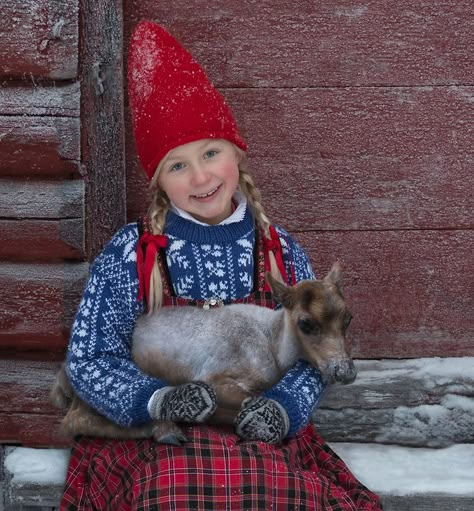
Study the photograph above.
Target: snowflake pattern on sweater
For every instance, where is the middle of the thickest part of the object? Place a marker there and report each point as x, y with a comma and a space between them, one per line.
203, 262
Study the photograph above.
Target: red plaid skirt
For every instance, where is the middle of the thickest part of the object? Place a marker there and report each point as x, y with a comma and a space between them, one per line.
214, 471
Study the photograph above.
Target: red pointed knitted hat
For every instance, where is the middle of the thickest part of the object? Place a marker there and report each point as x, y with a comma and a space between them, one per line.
171, 99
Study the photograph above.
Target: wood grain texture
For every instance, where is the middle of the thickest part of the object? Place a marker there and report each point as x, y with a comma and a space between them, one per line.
31, 430
30, 98
39, 146
428, 502
39, 38
102, 120
355, 158
42, 240
419, 402
38, 304
322, 43
41, 199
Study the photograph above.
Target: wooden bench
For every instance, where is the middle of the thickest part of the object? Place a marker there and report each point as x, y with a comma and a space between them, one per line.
409, 404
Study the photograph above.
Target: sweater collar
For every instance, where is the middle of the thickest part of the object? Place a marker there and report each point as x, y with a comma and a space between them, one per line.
189, 230
237, 215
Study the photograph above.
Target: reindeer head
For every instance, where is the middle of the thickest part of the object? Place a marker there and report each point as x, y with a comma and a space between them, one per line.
319, 318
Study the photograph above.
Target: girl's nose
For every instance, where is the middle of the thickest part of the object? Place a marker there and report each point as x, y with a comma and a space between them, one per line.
199, 174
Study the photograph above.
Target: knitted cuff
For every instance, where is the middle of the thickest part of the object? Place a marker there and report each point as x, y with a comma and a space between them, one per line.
298, 392
156, 402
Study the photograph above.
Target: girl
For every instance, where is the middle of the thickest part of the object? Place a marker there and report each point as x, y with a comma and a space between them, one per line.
206, 242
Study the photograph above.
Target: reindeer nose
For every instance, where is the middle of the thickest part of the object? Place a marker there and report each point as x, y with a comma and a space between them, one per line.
345, 371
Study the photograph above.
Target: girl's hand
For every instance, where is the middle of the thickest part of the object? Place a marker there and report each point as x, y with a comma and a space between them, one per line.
190, 402
262, 419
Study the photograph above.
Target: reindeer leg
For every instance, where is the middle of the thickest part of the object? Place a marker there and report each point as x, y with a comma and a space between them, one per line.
232, 388
81, 419
167, 432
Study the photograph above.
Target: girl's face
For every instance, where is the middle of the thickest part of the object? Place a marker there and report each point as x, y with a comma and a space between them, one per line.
201, 177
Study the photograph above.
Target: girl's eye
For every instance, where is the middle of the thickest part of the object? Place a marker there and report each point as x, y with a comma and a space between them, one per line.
176, 166
210, 154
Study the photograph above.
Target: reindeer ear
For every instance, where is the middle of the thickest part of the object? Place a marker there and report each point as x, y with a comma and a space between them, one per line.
335, 275
281, 293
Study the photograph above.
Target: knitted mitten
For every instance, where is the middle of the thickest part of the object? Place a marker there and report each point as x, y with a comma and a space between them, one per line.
262, 419
299, 393
190, 402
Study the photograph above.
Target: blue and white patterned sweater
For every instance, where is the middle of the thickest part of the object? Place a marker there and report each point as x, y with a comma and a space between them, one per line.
203, 261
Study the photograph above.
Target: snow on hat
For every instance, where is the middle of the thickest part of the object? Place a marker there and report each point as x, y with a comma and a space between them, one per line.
171, 99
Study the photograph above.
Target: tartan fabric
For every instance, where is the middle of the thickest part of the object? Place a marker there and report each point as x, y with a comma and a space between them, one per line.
214, 471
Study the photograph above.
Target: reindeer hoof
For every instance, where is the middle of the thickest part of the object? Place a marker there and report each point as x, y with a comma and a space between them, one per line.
166, 432
172, 439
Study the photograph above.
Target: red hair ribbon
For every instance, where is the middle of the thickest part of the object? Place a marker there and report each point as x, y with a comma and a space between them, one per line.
274, 245
150, 244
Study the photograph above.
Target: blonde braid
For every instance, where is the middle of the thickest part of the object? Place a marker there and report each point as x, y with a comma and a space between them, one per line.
157, 214
249, 189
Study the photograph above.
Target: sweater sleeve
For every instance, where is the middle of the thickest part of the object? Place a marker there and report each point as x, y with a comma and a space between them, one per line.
99, 362
301, 389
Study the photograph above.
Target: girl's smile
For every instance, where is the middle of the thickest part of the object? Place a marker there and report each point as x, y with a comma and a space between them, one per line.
201, 177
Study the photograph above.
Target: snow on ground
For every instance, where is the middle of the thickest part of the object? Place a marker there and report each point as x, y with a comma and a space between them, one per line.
43, 466
433, 370
384, 469
395, 470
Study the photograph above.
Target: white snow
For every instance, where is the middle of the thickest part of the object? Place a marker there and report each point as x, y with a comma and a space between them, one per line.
43, 466
395, 470
384, 469
434, 371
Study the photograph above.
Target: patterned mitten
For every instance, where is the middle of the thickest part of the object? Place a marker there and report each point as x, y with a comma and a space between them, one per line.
262, 419
190, 402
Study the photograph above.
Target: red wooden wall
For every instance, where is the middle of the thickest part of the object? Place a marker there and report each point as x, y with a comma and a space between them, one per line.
60, 109
359, 117
359, 121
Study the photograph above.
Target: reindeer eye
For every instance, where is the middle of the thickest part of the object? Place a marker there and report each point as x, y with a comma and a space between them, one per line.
308, 326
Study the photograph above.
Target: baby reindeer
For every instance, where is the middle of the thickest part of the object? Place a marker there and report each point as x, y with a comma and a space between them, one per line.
239, 349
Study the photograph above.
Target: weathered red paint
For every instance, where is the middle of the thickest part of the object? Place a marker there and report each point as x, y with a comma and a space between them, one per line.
39, 39
374, 43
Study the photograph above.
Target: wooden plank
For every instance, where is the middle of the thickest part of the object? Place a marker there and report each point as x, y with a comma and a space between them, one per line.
427, 502
32, 430
41, 199
353, 158
39, 146
408, 290
38, 303
40, 100
26, 385
33, 496
420, 402
322, 43
39, 39
46, 240
357, 122
103, 119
